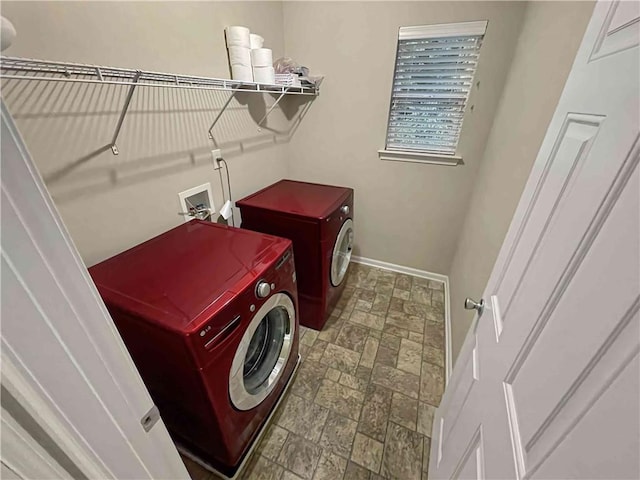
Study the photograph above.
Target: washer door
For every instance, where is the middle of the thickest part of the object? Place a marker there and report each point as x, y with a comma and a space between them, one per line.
263, 353
342, 253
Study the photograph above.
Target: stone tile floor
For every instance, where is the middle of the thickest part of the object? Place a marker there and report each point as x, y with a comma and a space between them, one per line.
362, 403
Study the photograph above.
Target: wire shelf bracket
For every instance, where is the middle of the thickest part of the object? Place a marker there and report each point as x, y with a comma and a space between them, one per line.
132, 89
270, 110
215, 120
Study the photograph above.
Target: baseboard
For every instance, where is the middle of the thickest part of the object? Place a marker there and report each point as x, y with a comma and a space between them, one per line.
438, 277
401, 269
448, 360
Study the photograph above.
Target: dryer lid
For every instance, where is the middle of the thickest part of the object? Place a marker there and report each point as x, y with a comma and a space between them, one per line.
298, 198
175, 277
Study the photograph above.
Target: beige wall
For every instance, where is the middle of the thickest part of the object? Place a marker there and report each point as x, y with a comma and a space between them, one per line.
424, 216
110, 203
406, 213
551, 34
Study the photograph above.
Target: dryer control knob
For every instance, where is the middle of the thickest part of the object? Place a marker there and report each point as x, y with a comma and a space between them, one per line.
263, 289
345, 209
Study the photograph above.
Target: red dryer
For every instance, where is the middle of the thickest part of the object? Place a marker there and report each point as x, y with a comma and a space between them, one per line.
319, 221
208, 313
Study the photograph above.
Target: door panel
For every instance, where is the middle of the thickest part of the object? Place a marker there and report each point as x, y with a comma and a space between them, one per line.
619, 31
462, 390
609, 304
472, 463
564, 164
457, 436
587, 450
575, 372
557, 345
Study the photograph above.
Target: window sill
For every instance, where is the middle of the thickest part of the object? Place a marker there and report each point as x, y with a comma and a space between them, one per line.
418, 157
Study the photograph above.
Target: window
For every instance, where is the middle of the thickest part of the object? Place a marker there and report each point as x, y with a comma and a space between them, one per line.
433, 75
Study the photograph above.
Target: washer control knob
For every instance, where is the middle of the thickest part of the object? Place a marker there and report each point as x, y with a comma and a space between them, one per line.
263, 289
345, 209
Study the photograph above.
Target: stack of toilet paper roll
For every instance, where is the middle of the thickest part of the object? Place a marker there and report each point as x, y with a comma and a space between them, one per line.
262, 62
248, 60
239, 49
256, 41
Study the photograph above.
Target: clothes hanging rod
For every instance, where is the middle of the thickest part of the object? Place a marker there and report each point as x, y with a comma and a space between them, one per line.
25, 69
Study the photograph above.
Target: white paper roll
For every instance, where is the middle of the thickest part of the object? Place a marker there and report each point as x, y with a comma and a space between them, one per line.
237, 36
7, 33
225, 211
242, 73
262, 57
264, 75
256, 41
239, 56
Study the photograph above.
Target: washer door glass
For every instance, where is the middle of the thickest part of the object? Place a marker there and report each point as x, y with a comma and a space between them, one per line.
342, 253
263, 353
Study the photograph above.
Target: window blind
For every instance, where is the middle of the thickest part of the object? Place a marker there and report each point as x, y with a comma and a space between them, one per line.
433, 76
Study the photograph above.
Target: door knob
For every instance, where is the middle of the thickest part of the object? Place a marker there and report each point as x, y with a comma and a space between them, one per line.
471, 304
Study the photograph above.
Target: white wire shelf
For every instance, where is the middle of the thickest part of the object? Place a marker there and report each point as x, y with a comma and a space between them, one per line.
27, 69
43, 70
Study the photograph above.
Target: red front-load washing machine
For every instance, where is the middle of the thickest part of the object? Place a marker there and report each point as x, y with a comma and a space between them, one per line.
319, 221
208, 313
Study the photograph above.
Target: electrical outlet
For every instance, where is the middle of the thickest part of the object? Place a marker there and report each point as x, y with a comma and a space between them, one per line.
216, 155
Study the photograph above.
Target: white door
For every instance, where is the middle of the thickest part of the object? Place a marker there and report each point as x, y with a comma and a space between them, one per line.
547, 383
73, 403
